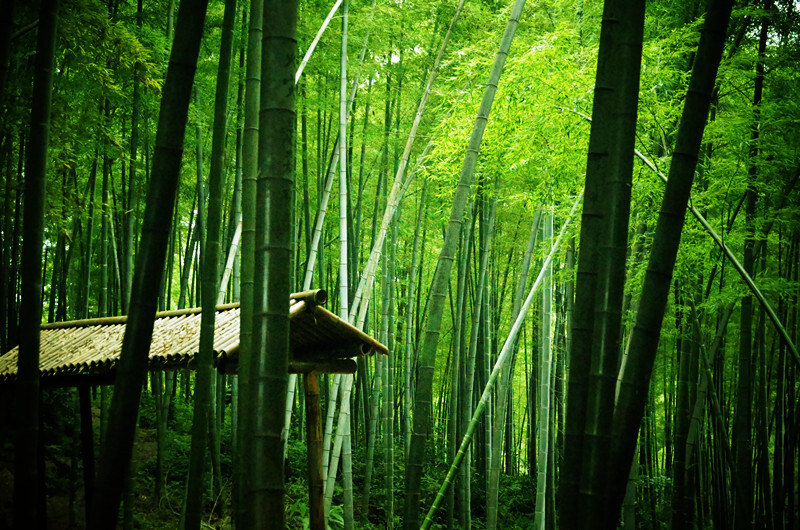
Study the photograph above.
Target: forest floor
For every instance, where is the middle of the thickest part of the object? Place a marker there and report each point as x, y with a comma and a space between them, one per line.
64, 476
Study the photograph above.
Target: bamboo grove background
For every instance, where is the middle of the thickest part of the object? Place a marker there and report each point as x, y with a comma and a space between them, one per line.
429, 228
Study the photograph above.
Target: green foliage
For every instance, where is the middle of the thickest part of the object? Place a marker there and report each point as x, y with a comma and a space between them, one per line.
533, 156
515, 507
658, 486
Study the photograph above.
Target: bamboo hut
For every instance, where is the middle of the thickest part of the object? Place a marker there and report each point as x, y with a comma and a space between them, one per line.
84, 353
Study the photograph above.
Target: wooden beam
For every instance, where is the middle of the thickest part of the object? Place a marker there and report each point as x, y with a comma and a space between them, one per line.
230, 366
328, 366
314, 352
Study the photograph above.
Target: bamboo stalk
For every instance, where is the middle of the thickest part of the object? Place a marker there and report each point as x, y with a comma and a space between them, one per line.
226, 274
313, 44
505, 354
398, 188
748, 280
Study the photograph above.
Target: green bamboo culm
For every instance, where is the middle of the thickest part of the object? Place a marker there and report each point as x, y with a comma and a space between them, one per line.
272, 262
430, 337
252, 98
505, 354
633, 387
27, 493
150, 259
748, 280
204, 386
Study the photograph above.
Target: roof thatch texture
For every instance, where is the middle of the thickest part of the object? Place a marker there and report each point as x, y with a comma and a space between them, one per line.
92, 347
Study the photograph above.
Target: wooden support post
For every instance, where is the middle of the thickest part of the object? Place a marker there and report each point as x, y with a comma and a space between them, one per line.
87, 445
314, 444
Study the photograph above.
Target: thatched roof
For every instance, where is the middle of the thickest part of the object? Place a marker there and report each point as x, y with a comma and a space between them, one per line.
91, 347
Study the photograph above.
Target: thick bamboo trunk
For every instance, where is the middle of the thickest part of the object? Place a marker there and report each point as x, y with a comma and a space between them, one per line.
132, 365
204, 411
633, 390
264, 497
595, 353
27, 460
241, 515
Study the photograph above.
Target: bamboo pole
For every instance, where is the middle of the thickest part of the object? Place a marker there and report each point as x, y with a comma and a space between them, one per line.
505, 354
748, 280
364, 288
226, 274
313, 44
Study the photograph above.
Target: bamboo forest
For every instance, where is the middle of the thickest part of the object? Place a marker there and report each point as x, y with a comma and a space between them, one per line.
337, 264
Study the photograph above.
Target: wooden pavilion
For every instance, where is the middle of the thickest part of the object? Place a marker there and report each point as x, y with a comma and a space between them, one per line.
83, 353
